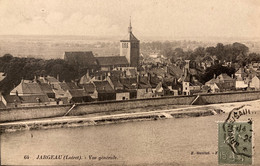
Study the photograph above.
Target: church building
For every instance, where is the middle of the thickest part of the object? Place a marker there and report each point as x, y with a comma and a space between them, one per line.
129, 56
130, 48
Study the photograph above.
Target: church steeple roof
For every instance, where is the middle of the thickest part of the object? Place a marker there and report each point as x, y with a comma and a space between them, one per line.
130, 27
130, 35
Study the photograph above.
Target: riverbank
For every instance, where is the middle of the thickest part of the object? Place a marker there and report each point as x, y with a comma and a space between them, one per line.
106, 107
120, 117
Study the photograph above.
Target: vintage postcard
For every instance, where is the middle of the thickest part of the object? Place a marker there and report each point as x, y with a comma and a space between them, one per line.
129, 82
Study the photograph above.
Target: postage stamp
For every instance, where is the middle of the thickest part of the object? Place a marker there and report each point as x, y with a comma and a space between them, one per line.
235, 139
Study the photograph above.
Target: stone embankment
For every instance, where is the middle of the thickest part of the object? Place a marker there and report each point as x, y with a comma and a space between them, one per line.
76, 121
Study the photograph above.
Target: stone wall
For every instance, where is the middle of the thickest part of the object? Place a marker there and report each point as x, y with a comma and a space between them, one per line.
230, 97
106, 106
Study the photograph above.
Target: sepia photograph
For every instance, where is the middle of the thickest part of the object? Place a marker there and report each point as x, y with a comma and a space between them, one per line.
129, 82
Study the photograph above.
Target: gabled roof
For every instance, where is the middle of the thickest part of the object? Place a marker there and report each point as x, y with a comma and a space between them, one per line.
240, 71
131, 72
89, 88
103, 86
27, 88
154, 81
158, 71
212, 81
112, 60
78, 93
115, 81
85, 79
46, 88
144, 83
12, 99
72, 85
51, 79
129, 82
34, 99
224, 77
64, 86
223, 86
175, 71
80, 58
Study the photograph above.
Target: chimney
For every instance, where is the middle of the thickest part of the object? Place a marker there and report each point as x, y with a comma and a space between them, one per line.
58, 77
138, 78
35, 78
149, 77
88, 73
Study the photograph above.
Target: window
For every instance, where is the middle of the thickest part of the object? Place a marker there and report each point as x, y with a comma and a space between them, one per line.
124, 45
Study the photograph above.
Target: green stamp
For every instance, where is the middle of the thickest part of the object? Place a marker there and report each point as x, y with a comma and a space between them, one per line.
235, 142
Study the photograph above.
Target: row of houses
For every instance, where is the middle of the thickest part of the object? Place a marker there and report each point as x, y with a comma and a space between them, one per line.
122, 83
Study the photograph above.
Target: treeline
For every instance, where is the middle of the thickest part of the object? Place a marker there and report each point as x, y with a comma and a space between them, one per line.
215, 70
160, 46
236, 52
16, 68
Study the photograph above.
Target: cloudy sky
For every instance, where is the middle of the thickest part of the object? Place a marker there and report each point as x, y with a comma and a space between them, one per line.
174, 18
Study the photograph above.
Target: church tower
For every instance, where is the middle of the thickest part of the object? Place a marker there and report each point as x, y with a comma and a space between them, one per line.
130, 48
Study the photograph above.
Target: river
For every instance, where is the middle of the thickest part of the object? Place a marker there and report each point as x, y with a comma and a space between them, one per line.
158, 142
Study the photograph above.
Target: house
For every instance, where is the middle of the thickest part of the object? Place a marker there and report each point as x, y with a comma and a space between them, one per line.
91, 90
121, 93
85, 78
240, 73
46, 88
130, 84
176, 87
162, 90
127, 71
223, 82
11, 101
255, 65
104, 91
27, 88
115, 83
78, 96
73, 85
60, 91
190, 84
144, 88
173, 70
83, 59
255, 83
241, 83
49, 80
224, 78
110, 62
207, 61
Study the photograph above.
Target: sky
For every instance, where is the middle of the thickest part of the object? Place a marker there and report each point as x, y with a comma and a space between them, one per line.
166, 18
